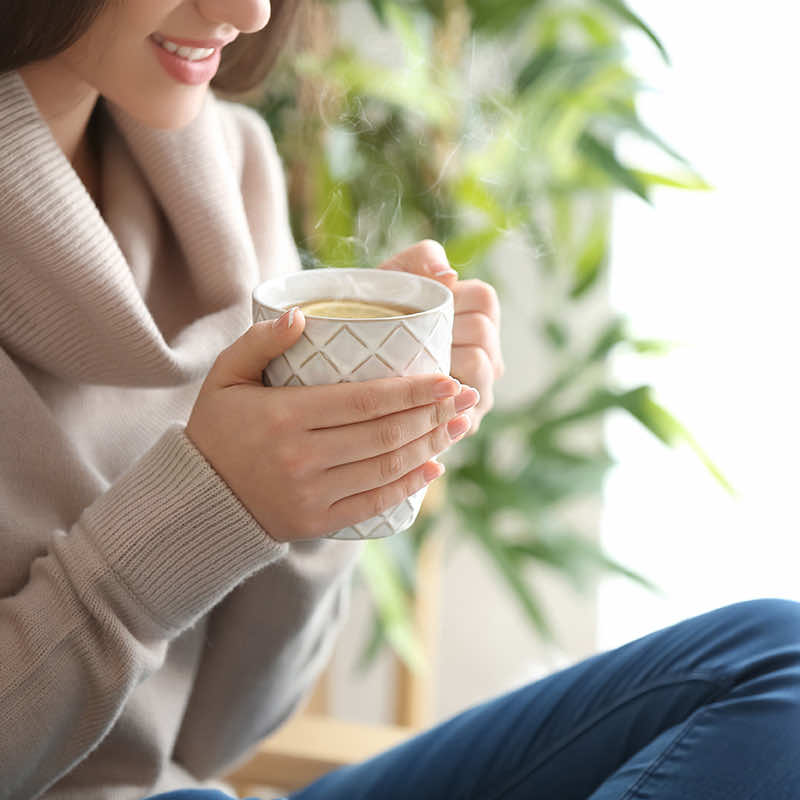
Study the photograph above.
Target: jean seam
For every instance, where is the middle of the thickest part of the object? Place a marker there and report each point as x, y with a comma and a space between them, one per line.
721, 682
690, 723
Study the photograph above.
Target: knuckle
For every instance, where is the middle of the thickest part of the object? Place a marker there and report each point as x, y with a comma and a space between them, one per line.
487, 296
438, 414
474, 358
431, 249
294, 467
366, 403
390, 435
411, 483
381, 501
486, 329
409, 392
279, 419
391, 466
440, 440
305, 498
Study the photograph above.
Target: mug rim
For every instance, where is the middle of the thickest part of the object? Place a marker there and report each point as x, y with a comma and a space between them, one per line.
448, 298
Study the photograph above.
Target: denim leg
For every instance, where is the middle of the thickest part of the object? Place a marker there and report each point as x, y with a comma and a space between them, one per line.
192, 794
706, 709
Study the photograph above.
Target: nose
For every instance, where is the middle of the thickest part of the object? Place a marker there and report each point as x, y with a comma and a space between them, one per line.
247, 16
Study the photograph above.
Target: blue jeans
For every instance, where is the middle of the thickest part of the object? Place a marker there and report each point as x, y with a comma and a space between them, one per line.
708, 709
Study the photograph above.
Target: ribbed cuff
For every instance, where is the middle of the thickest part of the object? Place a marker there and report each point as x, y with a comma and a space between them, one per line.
175, 534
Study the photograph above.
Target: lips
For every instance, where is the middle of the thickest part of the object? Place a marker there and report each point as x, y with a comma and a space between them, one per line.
191, 73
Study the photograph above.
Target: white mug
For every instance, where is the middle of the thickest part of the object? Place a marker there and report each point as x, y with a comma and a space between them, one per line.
345, 349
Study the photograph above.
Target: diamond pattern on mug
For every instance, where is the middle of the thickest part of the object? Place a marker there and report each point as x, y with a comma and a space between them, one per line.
375, 333
279, 371
300, 352
371, 369
422, 326
346, 350
399, 348
318, 369
423, 363
321, 331
438, 340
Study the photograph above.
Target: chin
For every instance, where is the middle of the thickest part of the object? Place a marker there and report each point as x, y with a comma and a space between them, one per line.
170, 116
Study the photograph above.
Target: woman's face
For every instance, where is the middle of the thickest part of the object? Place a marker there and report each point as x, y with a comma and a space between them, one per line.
120, 58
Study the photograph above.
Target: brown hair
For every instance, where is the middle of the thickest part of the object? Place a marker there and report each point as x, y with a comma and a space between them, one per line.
34, 30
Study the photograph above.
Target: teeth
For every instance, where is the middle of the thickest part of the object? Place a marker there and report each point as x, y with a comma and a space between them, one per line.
189, 53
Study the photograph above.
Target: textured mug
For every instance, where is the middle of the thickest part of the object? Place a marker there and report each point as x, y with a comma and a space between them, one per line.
344, 349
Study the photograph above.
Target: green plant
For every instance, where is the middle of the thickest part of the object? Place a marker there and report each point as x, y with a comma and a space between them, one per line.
381, 156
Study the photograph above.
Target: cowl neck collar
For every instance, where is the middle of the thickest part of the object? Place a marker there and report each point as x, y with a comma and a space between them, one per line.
148, 292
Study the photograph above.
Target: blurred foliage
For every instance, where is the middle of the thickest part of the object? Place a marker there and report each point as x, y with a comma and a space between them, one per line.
472, 122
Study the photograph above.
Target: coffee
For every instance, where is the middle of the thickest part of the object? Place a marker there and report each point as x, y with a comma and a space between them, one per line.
341, 308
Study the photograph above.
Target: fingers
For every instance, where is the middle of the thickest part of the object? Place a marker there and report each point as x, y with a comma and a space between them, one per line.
349, 479
475, 328
471, 364
244, 361
475, 295
338, 404
426, 258
333, 447
365, 505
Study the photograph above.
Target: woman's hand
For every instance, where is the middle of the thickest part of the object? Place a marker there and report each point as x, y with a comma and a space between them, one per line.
476, 358
309, 460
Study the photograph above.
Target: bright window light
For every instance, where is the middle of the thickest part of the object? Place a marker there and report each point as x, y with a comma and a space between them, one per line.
718, 272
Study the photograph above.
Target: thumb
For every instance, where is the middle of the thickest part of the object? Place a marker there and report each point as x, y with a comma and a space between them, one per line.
426, 258
244, 361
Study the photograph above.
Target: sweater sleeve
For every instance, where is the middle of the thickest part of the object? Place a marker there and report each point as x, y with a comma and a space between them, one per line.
265, 646
149, 557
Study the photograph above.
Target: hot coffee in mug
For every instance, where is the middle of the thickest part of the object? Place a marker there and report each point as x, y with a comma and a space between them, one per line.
353, 309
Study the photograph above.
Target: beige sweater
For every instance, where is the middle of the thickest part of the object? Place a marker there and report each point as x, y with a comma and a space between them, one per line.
150, 630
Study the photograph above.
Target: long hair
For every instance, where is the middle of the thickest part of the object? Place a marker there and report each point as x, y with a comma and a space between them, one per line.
33, 30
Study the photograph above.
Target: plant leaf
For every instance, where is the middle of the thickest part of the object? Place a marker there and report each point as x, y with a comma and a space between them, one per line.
392, 604
687, 181
641, 405
624, 12
575, 555
510, 571
602, 156
592, 258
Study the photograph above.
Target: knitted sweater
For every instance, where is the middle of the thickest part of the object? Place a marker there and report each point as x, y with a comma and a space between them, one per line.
150, 630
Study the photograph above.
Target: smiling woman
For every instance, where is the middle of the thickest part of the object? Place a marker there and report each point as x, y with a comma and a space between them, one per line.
38, 30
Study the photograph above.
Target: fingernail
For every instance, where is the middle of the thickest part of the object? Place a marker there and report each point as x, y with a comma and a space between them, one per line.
468, 398
431, 471
457, 427
446, 388
437, 270
287, 319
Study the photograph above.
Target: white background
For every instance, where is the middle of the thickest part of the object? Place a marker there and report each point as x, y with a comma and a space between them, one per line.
717, 271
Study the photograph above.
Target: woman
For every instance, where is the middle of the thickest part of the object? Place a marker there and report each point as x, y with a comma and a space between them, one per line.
166, 598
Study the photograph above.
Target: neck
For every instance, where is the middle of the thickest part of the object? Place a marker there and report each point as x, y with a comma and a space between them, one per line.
66, 104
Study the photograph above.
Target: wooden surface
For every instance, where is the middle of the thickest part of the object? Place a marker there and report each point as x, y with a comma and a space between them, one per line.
310, 745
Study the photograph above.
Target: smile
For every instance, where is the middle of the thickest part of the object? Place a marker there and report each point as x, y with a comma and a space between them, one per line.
186, 53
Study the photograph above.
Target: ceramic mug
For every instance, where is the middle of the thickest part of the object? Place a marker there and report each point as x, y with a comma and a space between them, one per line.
349, 349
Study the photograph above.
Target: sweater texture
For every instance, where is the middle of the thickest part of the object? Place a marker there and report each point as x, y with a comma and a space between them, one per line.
151, 632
